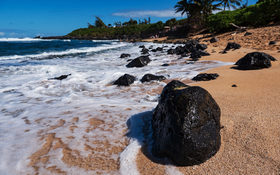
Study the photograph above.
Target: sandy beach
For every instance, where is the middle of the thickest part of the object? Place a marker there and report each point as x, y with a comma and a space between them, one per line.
250, 112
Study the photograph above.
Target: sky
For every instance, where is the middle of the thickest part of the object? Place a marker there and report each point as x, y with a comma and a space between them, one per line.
29, 18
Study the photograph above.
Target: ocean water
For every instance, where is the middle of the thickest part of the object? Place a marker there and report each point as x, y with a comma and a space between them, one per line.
79, 125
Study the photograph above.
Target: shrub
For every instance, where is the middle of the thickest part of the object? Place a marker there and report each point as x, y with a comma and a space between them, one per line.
256, 15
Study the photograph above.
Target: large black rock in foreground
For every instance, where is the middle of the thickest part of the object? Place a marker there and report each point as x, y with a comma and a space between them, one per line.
186, 124
125, 80
139, 62
255, 60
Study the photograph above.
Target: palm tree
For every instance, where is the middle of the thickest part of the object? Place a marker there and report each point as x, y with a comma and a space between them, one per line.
231, 3
197, 8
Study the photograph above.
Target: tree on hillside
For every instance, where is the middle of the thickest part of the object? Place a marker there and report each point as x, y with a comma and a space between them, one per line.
99, 23
231, 3
199, 9
130, 22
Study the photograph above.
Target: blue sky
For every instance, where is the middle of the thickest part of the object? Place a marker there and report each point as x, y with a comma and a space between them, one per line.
21, 18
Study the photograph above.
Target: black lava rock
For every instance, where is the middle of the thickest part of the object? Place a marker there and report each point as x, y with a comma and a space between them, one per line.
198, 54
247, 33
255, 60
125, 55
186, 125
151, 77
139, 62
142, 46
272, 42
125, 80
145, 51
201, 46
232, 45
205, 77
214, 39
165, 65
62, 77
171, 51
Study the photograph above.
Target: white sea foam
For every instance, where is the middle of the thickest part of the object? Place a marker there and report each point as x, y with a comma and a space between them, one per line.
30, 104
22, 39
66, 52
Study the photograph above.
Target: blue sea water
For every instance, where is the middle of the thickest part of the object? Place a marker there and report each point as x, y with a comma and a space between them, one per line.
32, 105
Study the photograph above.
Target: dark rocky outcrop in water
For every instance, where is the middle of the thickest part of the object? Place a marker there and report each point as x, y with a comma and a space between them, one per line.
232, 45
186, 125
205, 77
125, 80
139, 62
157, 49
125, 55
151, 77
255, 60
62, 77
145, 51
165, 65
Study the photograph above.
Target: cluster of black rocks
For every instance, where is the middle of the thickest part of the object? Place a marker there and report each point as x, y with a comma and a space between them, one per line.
191, 48
127, 79
186, 122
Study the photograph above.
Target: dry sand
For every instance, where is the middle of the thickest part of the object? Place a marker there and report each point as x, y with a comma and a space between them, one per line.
250, 113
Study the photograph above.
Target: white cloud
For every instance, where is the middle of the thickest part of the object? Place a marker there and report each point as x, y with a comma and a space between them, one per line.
148, 13
2, 33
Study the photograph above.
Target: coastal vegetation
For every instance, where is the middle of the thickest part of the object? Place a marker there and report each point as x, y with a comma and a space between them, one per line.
260, 14
199, 16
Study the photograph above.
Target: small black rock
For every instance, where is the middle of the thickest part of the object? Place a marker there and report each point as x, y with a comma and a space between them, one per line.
62, 77
145, 51
272, 42
214, 39
234, 85
151, 77
125, 80
165, 64
205, 77
125, 55
139, 62
247, 33
232, 45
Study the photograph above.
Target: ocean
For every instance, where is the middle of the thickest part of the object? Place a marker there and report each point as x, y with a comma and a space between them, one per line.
82, 124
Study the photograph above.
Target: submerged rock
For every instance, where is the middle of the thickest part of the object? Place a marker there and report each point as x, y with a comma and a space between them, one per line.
186, 124
151, 77
205, 77
165, 65
145, 51
255, 60
125, 55
139, 62
125, 80
62, 77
